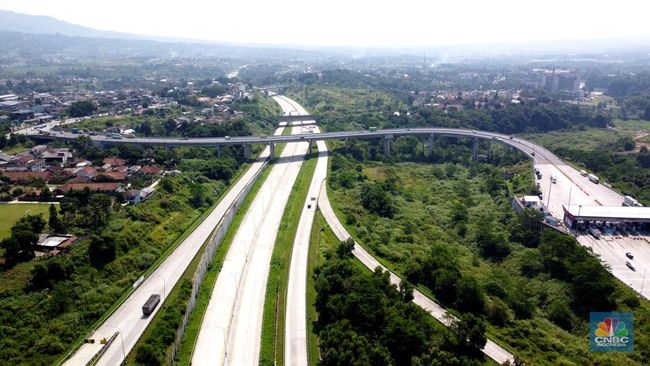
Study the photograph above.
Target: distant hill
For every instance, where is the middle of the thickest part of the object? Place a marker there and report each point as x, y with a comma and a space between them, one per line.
15, 22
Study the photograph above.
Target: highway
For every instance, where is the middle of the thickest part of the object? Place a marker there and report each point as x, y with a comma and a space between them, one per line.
295, 335
231, 330
243, 286
128, 319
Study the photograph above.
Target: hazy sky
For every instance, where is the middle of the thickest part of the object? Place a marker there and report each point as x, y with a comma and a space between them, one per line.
396, 23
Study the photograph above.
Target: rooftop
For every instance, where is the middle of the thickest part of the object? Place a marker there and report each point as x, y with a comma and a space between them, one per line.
608, 213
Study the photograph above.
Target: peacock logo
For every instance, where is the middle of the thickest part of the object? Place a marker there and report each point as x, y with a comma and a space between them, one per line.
611, 327
611, 332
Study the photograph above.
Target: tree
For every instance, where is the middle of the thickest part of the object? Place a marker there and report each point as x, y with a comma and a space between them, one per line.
146, 355
344, 250
646, 113
81, 108
145, 128
526, 228
101, 250
470, 297
376, 200
469, 331
54, 222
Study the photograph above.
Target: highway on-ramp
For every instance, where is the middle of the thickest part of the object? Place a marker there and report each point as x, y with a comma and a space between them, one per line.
231, 329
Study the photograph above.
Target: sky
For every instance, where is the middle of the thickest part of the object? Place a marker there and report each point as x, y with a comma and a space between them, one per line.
357, 23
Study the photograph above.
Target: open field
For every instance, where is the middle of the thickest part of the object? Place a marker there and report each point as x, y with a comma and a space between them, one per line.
10, 213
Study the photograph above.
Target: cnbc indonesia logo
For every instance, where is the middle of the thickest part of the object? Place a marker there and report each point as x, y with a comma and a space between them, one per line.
611, 332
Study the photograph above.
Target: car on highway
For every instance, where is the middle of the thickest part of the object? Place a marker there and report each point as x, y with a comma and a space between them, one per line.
629, 255
226, 137
510, 137
630, 266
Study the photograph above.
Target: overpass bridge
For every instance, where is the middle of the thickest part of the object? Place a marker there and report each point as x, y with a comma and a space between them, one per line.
385, 135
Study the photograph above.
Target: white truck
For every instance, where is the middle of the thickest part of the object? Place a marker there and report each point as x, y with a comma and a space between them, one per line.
593, 178
629, 201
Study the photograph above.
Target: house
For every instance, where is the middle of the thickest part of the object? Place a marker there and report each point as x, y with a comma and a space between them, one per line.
58, 155
114, 162
108, 187
150, 169
27, 177
111, 176
135, 196
88, 172
60, 243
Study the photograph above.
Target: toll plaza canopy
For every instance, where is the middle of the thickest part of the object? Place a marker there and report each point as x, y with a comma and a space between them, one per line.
606, 213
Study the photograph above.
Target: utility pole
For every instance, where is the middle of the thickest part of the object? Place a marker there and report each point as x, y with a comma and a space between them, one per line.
550, 186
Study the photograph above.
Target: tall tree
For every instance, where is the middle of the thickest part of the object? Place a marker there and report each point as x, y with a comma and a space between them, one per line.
54, 221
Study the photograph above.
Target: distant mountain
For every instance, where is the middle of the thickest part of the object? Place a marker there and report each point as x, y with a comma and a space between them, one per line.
24, 23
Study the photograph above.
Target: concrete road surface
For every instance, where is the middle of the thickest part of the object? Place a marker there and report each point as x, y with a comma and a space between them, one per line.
295, 336
491, 349
128, 319
232, 327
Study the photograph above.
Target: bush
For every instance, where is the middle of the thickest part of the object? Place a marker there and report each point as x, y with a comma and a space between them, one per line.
146, 355
101, 250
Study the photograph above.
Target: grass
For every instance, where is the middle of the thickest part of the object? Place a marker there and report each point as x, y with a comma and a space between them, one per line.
10, 213
589, 139
272, 344
184, 355
632, 125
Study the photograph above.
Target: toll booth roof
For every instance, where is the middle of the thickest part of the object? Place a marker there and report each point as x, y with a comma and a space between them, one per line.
608, 213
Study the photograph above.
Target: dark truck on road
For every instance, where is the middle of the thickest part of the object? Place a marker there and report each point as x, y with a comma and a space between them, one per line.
151, 304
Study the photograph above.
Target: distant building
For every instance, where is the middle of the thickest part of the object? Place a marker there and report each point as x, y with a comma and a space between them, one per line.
563, 81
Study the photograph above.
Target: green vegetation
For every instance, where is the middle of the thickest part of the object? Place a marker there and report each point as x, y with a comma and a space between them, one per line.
322, 241
273, 325
355, 108
452, 232
11, 213
583, 139
75, 291
363, 319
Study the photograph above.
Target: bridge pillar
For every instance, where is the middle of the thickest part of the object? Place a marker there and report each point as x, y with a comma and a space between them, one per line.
430, 145
218, 151
271, 151
247, 151
309, 149
387, 142
475, 148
